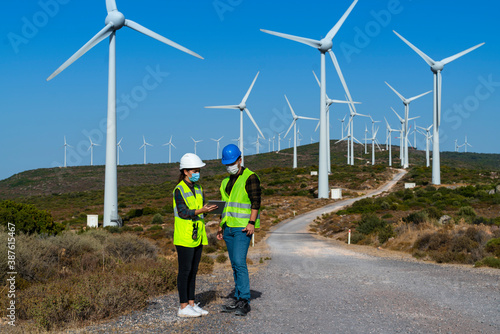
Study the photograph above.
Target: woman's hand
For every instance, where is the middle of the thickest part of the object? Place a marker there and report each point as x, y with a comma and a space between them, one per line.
205, 209
220, 233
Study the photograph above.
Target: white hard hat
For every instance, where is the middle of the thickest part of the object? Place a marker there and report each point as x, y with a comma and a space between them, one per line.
191, 161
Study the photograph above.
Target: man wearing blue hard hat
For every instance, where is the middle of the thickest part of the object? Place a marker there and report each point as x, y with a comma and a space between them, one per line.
242, 194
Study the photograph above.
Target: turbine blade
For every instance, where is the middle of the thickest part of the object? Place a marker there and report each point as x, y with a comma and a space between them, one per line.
400, 119
317, 80
427, 59
411, 119
317, 126
254, 123
418, 96
339, 72
110, 5
311, 42
291, 109
357, 140
249, 89
395, 91
173, 146
309, 118
224, 107
105, 32
143, 30
337, 26
220, 138
460, 54
291, 125
345, 102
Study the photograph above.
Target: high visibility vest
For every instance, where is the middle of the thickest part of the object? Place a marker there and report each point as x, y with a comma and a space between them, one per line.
183, 228
238, 206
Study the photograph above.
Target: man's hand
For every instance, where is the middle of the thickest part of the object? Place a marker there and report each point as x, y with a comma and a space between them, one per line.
250, 229
220, 233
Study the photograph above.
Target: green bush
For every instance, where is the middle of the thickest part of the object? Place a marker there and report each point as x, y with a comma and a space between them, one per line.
209, 249
357, 237
416, 218
28, 219
466, 211
370, 223
433, 212
155, 228
385, 234
157, 219
148, 211
138, 229
489, 261
493, 246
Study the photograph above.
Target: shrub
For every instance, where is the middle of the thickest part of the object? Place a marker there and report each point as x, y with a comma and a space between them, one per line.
157, 219
138, 229
489, 261
370, 223
357, 237
416, 218
466, 211
221, 258
209, 249
385, 233
155, 228
133, 213
28, 219
433, 212
493, 246
148, 211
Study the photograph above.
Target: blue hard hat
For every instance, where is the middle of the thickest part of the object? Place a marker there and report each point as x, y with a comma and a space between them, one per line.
230, 154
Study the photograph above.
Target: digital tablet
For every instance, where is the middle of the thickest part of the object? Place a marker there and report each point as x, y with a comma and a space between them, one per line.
220, 206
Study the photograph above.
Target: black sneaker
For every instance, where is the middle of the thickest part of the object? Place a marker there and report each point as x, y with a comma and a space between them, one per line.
231, 306
242, 308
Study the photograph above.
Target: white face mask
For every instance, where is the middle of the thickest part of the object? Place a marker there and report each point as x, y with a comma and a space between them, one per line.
233, 169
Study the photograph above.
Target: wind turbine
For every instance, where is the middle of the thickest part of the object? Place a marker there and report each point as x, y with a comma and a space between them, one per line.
114, 21
353, 113
406, 102
170, 144
242, 107
294, 125
428, 136
349, 137
144, 145
373, 128
218, 145
279, 140
466, 144
389, 130
274, 137
199, 141
366, 138
257, 144
269, 146
66, 145
329, 102
342, 124
436, 68
324, 45
456, 145
91, 148
118, 148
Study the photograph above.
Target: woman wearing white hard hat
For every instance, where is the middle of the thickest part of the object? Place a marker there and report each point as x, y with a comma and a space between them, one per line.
189, 232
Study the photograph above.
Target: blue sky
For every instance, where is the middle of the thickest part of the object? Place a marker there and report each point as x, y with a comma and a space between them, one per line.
38, 36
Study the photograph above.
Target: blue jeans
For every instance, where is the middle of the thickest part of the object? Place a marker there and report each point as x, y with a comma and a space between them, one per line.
237, 243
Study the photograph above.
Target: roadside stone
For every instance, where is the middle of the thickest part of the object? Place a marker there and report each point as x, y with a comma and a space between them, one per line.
497, 189
444, 220
491, 192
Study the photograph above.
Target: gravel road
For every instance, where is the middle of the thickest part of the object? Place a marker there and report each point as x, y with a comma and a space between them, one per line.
313, 285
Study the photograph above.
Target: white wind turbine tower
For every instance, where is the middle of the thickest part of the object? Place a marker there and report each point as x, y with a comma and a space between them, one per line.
349, 137
289, 142
242, 107
257, 144
199, 141
269, 148
342, 124
436, 68
91, 148
118, 148
406, 103
324, 45
329, 102
402, 121
373, 139
428, 136
456, 145
415, 135
351, 129
114, 21
274, 137
66, 145
295, 132
389, 131
373, 127
218, 145
366, 138
466, 144
279, 140
144, 145
170, 144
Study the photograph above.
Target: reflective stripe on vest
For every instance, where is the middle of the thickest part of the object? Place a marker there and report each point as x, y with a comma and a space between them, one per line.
238, 207
183, 229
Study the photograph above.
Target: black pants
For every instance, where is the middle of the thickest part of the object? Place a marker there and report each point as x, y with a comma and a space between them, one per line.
189, 259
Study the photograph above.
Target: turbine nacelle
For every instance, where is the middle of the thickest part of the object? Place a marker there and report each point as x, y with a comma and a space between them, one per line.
116, 18
325, 45
437, 67
242, 106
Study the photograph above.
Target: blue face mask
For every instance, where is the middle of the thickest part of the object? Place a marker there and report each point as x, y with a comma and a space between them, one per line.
194, 177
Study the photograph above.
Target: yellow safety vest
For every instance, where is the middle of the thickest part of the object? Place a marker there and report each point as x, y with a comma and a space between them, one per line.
238, 206
183, 230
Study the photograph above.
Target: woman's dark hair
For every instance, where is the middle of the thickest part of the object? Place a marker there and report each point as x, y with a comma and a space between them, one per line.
181, 176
